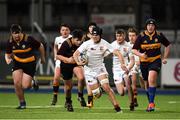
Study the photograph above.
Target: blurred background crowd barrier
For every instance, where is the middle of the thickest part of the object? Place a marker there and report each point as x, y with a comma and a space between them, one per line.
42, 18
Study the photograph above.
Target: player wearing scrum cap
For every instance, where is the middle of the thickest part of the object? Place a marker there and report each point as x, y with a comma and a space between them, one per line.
95, 71
91, 25
88, 36
148, 48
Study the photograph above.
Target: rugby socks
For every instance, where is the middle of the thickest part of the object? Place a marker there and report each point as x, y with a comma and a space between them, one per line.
135, 93
80, 94
151, 91
117, 108
135, 97
81, 99
147, 93
55, 89
90, 98
23, 103
68, 100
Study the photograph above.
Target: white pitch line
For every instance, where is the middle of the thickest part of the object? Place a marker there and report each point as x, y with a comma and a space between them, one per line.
173, 102
60, 106
43, 106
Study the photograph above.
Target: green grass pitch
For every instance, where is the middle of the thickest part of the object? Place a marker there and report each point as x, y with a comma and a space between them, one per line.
38, 107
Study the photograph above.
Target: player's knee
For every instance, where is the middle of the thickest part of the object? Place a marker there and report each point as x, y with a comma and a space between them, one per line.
128, 86
68, 86
55, 83
17, 83
81, 79
56, 78
26, 86
105, 84
97, 92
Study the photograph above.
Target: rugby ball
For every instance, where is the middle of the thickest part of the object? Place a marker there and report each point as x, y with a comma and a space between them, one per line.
83, 58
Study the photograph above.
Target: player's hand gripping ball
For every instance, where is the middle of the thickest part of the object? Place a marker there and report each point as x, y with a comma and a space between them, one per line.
83, 58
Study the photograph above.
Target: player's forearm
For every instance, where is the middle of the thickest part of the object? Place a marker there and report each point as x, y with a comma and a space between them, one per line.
131, 64
119, 55
75, 56
166, 52
8, 58
42, 53
60, 57
137, 63
65, 59
55, 51
136, 52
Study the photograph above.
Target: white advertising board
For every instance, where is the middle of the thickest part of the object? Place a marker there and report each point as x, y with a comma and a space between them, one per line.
170, 74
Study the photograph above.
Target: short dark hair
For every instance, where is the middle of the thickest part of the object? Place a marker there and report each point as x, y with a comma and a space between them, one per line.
120, 31
65, 25
92, 24
77, 33
15, 28
133, 30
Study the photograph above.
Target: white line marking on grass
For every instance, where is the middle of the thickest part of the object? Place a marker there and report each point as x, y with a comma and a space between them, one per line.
173, 102
43, 106
60, 106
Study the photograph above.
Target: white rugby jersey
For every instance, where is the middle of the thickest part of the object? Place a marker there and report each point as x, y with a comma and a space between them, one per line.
125, 50
59, 40
96, 52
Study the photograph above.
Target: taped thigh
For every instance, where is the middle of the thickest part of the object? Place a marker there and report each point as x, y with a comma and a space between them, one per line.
103, 81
